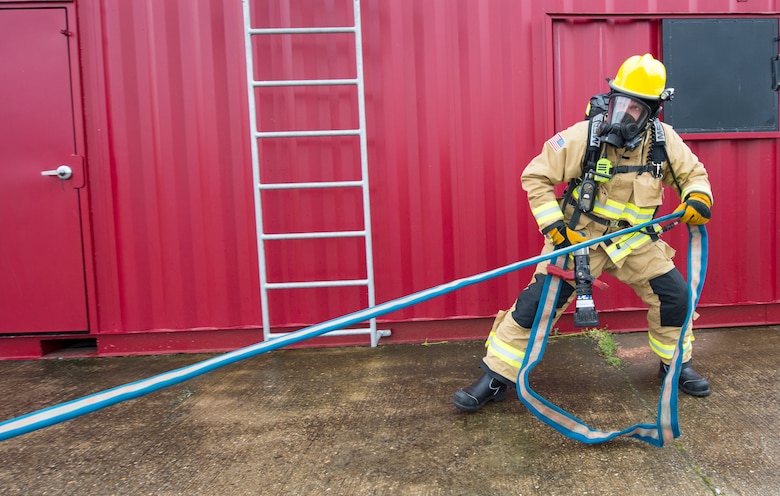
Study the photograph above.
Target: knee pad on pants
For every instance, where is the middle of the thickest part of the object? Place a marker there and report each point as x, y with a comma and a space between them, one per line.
672, 291
528, 301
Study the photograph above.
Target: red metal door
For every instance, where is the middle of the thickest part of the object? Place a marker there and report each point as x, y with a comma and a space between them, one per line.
42, 280
590, 50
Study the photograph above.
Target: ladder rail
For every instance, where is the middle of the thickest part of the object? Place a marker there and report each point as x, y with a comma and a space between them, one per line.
256, 134
255, 154
364, 164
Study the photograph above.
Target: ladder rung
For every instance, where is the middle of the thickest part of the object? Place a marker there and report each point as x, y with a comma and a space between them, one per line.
334, 29
316, 284
303, 82
320, 184
315, 235
339, 332
297, 134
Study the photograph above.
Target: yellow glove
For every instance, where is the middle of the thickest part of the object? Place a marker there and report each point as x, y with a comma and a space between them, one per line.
562, 236
696, 209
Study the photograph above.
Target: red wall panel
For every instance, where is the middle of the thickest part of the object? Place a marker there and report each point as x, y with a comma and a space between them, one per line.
453, 137
167, 132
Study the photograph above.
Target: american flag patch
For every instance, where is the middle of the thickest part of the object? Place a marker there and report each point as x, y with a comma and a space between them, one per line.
557, 142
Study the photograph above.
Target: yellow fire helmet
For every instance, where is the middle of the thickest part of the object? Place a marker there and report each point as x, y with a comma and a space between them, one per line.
642, 76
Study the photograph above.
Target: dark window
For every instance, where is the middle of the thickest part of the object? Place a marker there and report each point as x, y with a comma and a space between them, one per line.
722, 73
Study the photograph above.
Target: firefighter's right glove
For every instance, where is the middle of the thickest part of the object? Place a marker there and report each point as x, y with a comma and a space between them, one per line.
696, 209
562, 236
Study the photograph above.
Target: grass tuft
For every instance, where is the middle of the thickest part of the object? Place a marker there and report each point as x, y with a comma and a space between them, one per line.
607, 345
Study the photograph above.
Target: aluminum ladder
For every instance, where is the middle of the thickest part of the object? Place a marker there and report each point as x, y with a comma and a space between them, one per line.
256, 134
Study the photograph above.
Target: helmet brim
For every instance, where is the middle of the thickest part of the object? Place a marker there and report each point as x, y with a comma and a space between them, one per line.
644, 96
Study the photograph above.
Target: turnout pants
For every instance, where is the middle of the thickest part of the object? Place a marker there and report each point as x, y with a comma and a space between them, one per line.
649, 271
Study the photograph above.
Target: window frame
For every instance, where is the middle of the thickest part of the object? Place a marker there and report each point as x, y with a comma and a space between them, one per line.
712, 21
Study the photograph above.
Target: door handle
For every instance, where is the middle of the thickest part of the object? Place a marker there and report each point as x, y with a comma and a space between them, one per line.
63, 172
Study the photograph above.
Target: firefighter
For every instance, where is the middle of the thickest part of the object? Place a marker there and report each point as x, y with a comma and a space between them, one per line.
629, 190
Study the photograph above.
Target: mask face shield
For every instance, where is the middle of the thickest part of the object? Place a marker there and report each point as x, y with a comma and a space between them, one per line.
627, 119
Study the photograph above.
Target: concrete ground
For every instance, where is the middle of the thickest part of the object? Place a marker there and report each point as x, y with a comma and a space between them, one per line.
362, 421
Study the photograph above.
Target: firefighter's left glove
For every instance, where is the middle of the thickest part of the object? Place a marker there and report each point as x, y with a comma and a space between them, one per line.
562, 236
696, 209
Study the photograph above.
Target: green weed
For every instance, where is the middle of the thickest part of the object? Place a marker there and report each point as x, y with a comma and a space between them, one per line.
607, 345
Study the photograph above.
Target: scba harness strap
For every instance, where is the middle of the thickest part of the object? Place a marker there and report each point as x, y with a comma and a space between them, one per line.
666, 428
581, 192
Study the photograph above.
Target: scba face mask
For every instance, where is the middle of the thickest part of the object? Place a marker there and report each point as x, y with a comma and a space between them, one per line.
627, 118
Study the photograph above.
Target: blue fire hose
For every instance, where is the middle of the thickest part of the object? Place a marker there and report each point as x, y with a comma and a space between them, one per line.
666, 427
75, 408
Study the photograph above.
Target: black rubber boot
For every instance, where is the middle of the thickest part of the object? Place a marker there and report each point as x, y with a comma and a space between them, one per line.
472, 398
690, 382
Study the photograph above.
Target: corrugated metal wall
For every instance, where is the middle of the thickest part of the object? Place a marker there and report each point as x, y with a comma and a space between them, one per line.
169, 167
452, 127
460, 96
